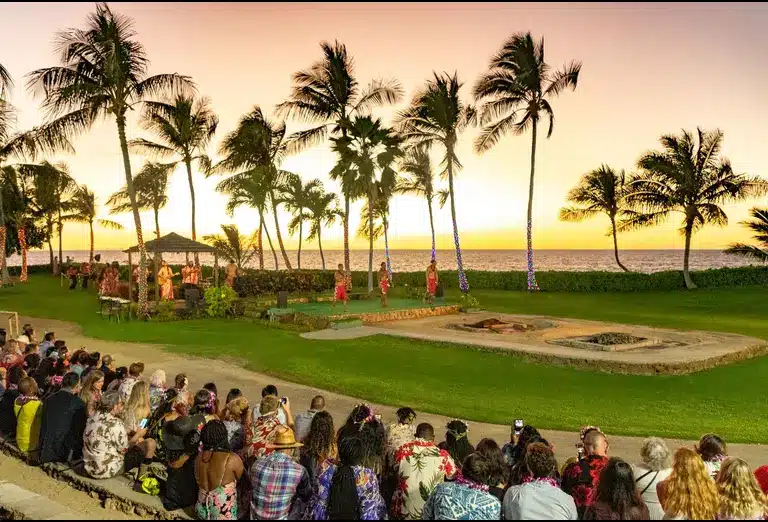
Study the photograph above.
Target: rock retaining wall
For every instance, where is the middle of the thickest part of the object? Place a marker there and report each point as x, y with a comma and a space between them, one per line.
399, 315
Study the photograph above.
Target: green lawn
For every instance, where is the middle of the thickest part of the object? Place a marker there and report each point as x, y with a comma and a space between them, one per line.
476, 385
356, 307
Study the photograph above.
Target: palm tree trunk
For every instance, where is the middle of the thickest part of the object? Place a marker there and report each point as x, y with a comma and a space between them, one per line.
532, 285
689, 284
279, 235
260, 245
6, 277
188, 163
320, 244
346, 233
616, 245
143, 308
23, 245
60, 228
298, 254
90, 254
432, 227
386, 249
463, 283
269, 239
370, 243
49, 230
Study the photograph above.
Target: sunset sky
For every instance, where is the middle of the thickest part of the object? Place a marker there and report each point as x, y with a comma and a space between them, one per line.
648, 69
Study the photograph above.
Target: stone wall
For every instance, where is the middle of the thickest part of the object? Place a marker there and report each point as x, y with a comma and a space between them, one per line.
399, 315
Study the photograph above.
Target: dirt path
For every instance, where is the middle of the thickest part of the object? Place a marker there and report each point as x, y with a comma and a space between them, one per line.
227, 375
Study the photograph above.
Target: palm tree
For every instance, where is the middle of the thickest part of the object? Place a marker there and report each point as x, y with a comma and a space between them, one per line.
600, 191
323, 210
758, 225
516, 92
436, 117
420, 182
258, 146
83, 210
103, 73
184, 129
327, 94
297, 196
6, 82
232, 245
691, 177
368, 150
151, 187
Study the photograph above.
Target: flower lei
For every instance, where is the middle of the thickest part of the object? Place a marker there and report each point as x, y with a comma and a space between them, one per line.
56, 380
544, 480
370, 418
212, 402
456, 435
472, 485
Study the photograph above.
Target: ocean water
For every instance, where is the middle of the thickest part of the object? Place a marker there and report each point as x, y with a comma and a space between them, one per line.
496, 260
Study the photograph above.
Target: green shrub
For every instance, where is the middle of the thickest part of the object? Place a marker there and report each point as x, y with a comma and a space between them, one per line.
468, 301
220, 301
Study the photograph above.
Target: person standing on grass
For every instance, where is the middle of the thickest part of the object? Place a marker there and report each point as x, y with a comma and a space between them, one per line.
616, 496
384, 285
231, 273
432, 280
580, 478
63, 423
340, 287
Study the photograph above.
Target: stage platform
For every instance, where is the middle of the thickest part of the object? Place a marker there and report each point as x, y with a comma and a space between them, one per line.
370, 311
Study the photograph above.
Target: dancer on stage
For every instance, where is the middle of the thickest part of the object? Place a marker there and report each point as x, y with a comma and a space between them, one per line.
340, 282
432, 280
384, 285
231, 272
164, 280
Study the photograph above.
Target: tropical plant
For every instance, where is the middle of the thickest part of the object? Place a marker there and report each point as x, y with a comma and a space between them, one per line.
235, 247
83, 210
184, 129
436, 117
151, 187
323, 211
328, 94
600, 191
103, 73
220, 301
297, 196
691, 177
515, 95
420, 181
255, 149
758, 225
368, 150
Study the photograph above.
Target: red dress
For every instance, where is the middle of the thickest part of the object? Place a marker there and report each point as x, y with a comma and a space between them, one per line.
384, 285
431, 283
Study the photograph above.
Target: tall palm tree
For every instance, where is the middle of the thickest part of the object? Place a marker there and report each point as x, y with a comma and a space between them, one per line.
184, 129
151, 187
103, 72
258, 146
323, 210
368, 150
436, 117
516, 94
83, 210
327, 94
759, 225
600, 191
420, 182
691, 177
297, 196
232, 245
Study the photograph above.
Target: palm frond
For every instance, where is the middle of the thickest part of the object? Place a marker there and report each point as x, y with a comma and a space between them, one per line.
748, 251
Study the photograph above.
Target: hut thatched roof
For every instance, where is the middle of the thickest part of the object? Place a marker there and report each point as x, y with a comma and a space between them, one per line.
173, 243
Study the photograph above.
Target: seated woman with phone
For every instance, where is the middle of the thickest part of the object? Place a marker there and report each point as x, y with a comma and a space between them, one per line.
136, 412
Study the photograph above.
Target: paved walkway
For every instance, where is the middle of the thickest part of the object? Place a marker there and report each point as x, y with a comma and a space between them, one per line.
228, 375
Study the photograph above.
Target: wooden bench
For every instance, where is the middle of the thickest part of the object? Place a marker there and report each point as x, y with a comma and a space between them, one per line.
275, 313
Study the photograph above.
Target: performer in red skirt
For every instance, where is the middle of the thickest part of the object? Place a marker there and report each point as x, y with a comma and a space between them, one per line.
432, 279
340, 282
384, 285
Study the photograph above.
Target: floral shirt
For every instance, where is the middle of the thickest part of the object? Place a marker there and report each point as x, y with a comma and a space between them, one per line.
105, 442
126, 387
372, 505
421, 467
459, 501
580, 482
397, 435
156, 395
261, 433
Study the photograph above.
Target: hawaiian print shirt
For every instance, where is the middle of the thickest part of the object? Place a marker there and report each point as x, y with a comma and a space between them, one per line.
580, 483
372, 505
105, 442
126, 387
458, 501
421, 467
397, 435
261, 433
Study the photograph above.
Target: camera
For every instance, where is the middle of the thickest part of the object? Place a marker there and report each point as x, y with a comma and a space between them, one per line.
284, 400
518, 426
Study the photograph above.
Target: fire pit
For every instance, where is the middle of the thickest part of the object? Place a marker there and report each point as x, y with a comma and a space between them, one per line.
608, 341
494, 325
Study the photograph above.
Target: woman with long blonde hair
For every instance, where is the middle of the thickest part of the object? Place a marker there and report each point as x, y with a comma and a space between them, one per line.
740, 496
136, 409
91, 391
689, 493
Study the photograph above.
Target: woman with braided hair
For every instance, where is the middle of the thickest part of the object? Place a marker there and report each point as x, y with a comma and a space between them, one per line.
456, 441
217, 471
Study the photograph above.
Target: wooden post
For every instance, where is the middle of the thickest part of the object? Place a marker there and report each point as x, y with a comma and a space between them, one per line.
157, 286
216, 269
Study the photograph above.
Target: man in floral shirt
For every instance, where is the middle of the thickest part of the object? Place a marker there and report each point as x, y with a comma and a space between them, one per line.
421, 467
134, 374
580, 478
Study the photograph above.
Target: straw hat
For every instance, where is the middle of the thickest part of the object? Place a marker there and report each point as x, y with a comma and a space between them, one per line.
284, 439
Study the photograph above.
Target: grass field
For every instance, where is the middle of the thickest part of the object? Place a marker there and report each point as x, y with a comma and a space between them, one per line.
476, 385
356, 306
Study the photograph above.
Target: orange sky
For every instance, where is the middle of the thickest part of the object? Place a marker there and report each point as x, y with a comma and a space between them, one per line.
648, 69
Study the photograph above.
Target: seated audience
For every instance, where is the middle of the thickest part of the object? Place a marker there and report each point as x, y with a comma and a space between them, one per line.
399, 433
541, 497
116, 378
27, 335
236, 418
63, 423
364, 422
348, 491
156, 389
134, 375
79, 361
761, 474
204, 404
28, 417
689, 493
94, 363
163, 414
3, 375
271, 389
182, 440
54, 380
499, 471
233, 394
91, 390
420, 466
11, 354
654, 468
319, 444
456, 441
467, 497
48, 342
263, 430
31, 362
280, 485
7, 414
107, 367
740, 495
616, 497
43, 373
713, 452
217, 471
304, 419
580, 478
135, 413
180, 384
211, 387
